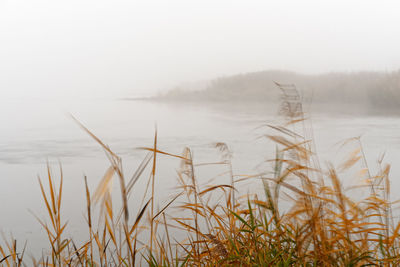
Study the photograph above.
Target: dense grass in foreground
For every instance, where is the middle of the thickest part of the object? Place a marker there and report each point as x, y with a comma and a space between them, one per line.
305, 217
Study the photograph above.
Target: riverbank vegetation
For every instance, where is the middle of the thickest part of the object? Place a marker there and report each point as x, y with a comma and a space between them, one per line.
305, 216
355, 92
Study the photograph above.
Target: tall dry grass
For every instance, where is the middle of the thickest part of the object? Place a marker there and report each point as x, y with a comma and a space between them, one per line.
305, 217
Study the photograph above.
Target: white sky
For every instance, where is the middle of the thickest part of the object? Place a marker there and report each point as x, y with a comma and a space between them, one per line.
117, 48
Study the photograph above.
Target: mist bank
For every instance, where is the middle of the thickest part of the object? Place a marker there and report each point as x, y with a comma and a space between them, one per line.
360, 92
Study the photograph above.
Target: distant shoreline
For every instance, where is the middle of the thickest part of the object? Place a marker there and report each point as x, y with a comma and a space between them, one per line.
356, 109
136, 98
349, 92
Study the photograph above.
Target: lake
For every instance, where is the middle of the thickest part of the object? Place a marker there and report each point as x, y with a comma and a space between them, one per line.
38, 130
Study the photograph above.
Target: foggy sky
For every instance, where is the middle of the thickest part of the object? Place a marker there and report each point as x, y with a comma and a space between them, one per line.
126, 48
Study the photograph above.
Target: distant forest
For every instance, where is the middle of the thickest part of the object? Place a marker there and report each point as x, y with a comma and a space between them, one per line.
369, 90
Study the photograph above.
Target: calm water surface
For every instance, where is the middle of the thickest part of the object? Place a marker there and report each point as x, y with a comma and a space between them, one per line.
36, 131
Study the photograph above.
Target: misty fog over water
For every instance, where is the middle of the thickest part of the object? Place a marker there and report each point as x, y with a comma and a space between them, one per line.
198, 73
30, 139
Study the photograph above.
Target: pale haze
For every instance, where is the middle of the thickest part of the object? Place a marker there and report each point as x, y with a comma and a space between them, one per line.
129, 48
102, 61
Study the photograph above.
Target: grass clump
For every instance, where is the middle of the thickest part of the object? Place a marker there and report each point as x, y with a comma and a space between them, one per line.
304, 217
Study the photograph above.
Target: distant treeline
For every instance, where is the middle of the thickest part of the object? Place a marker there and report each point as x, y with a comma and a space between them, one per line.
369, 90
